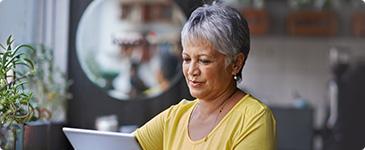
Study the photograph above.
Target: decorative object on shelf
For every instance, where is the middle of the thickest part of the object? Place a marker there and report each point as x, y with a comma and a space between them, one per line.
313, 4
49, 86
15, 107
145, 11
327, 4
312, 23
244, 3
357, 4
255, 4
300, 4
258, 4
358, 23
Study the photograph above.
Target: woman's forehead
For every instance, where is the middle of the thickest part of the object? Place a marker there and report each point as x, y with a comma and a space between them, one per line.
201, 46
196, 41
202, 49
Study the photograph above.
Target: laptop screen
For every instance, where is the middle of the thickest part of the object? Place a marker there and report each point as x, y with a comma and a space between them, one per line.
82, 139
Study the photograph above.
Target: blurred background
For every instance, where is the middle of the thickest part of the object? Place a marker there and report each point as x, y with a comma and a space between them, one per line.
117, 64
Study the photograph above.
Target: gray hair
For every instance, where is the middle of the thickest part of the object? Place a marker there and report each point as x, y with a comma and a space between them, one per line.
220, 25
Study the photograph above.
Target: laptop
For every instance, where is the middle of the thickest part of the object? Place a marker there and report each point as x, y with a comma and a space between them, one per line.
83, 139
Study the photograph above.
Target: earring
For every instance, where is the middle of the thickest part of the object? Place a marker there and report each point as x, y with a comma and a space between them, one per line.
235, 77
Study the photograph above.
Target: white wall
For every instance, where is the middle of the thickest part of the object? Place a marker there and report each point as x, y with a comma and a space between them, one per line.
279, 66
17, 19
37, 22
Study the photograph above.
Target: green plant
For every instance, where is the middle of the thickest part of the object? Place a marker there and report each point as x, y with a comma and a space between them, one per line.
15, 106
49, 85
15, 68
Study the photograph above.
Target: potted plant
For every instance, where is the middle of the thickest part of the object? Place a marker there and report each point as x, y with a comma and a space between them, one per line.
15, 106
49, 86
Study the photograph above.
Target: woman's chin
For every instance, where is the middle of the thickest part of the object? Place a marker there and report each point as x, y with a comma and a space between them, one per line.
196, 93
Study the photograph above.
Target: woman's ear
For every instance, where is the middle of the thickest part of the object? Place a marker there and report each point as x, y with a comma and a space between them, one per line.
238, 63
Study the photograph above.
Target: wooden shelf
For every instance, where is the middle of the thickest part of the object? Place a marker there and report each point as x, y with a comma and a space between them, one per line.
258, 20
358, 23
312, 23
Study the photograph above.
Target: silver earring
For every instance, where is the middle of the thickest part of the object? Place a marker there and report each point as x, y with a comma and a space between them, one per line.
235, 77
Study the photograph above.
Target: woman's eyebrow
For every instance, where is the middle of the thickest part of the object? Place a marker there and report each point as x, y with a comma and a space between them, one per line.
206, 55
184, 53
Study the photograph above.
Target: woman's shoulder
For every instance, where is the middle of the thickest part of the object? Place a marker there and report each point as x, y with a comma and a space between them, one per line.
182, 107
251, 106
184, 104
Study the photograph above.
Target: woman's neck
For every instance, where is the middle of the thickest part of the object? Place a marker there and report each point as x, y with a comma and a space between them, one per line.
207, 107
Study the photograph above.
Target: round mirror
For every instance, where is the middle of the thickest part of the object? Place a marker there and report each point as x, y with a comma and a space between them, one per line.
131, 48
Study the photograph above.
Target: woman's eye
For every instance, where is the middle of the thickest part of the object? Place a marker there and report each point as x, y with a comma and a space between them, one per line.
186, 59
204, 61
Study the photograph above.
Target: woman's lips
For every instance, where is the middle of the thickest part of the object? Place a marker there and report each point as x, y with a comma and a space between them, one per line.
195, 83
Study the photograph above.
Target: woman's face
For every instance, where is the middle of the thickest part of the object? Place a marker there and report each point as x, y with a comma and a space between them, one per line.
205, 71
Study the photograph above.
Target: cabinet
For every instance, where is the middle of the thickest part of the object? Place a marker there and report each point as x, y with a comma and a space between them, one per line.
344, 20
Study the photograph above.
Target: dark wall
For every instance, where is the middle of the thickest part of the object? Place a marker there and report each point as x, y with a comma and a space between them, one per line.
349, 130
89, 101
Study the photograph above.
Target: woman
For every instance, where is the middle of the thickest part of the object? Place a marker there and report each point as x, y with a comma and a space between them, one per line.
216, 44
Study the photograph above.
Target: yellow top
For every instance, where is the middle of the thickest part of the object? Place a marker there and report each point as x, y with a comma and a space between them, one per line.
249, 125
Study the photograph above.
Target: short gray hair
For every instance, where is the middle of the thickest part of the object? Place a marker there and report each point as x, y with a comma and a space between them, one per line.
220, 25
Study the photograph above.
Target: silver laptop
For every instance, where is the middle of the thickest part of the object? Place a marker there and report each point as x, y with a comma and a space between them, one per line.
82, 139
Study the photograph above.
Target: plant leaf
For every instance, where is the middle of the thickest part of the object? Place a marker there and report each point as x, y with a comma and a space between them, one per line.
30, 62
10, 40
16, 49
2, 46
12, 59
4, 58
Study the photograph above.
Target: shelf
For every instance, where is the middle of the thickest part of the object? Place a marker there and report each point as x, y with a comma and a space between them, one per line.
279, 12
277, 37
312, 23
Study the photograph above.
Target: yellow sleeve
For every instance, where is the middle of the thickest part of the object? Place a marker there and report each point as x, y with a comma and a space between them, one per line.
150, 135
259, 134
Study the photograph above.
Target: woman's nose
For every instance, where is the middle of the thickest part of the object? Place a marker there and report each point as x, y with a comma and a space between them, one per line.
193, 69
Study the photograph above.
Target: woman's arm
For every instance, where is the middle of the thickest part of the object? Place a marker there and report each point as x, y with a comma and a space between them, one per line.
150, 135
